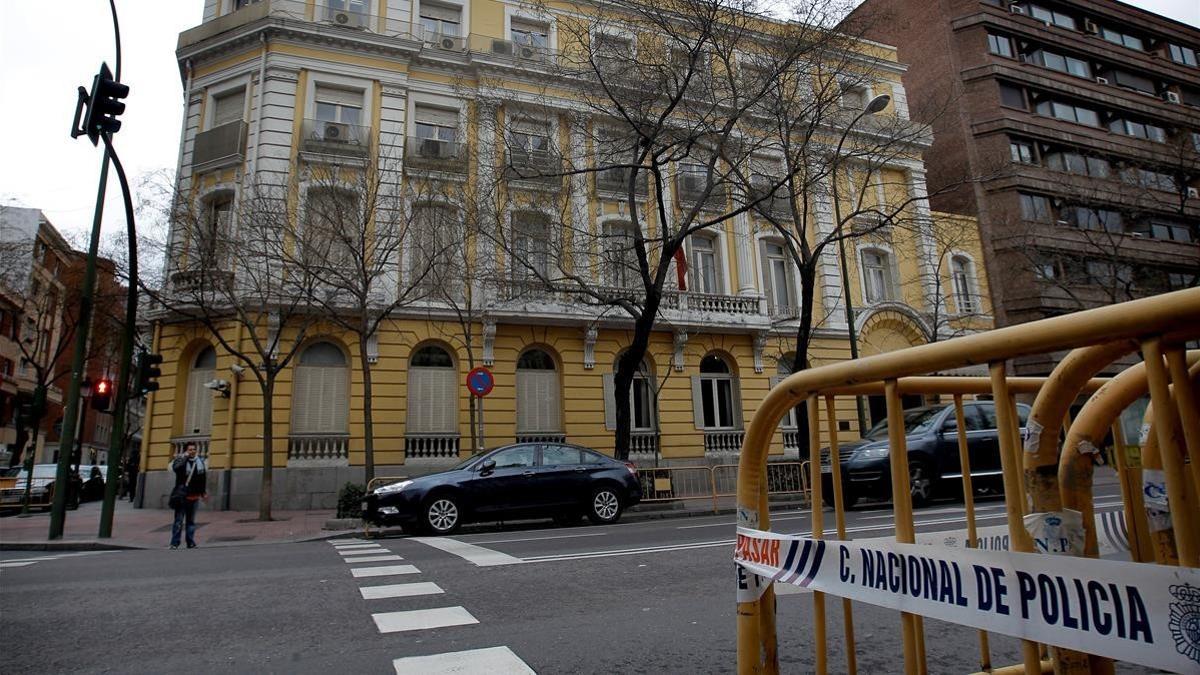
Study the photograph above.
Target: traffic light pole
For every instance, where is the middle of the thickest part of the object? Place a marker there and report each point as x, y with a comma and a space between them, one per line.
58, 510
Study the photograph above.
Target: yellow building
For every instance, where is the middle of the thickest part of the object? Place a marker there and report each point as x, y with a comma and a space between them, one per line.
292, 88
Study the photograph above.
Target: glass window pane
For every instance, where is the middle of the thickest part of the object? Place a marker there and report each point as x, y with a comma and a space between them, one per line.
707, 394
725, 402
515, 457
559, 455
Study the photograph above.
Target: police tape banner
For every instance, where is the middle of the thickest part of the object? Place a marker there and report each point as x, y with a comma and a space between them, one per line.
1141, 613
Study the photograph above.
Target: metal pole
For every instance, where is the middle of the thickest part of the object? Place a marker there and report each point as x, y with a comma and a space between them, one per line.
816, 509
902, 511
839, 513
1172, 459
58, 510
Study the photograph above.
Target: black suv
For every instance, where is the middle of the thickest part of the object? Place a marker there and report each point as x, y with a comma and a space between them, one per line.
933, 466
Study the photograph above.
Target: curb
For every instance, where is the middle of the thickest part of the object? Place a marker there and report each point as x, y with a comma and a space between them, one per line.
68, 546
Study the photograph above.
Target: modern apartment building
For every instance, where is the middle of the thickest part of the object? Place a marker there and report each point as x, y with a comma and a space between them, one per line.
1071, 129
454, 93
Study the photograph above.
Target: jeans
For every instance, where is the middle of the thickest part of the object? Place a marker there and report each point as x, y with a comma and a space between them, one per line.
186, 512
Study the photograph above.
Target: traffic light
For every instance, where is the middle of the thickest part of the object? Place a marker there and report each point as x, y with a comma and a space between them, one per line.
102, 394
103, 105
147, 373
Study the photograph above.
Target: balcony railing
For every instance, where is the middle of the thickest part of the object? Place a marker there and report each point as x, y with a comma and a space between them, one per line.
691, 189
514, 52
711, 302
723, 442
318, 447
531, 289
783, 312
644, 446
430, 153
617, 180
534, 166
220, 146
179, 444
335, 138
431, 446
195, 280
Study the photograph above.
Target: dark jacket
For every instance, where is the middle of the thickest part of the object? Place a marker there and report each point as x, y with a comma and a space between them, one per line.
199, 484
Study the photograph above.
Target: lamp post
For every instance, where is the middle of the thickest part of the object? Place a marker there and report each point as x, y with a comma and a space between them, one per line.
875, 105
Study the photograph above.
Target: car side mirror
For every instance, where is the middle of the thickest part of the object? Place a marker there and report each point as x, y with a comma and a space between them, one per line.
488, 466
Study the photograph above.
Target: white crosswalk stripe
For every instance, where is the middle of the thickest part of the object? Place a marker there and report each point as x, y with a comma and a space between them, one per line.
367, 551
490, 661
400, 590
383, 571
372, 558
422, 619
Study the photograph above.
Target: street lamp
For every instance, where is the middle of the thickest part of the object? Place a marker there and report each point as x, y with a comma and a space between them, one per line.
875, 105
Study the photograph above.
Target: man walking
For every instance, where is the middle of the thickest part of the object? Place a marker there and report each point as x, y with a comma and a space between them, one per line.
191, 485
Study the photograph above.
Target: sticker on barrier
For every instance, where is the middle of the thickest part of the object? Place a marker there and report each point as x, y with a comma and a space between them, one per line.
1112, 537
1139, 613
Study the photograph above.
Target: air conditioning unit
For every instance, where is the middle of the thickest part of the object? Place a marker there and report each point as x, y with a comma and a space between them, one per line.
502, 47
1171, 97
335, 132
1016, 9
529, 53
1193, 193
692, 184
1101, 80
1090, 26
451, 43
347, 19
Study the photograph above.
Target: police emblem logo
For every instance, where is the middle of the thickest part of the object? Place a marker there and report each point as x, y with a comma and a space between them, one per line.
1185, 620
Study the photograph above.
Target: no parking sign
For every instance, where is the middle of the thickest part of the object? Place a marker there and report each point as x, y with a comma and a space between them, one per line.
480, 381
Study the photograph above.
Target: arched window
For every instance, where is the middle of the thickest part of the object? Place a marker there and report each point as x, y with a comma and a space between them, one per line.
878, 276
320, 398
715, 396
962, 281
432, 392
197, 415
783, 368
538, 396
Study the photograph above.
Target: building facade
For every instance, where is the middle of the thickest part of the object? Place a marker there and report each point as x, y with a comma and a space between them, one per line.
292, 87
1072, 130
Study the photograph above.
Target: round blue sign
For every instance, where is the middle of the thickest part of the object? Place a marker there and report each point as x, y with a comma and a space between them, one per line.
480, 381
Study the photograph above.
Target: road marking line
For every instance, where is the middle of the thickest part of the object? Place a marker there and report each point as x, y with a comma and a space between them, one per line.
422, 619
348, 547
562, 536
383, 570
5, 565
493, 660
368, 551
477, 555
342, 542
372, 558
400, 590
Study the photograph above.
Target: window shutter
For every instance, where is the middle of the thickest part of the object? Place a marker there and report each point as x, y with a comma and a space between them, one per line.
228, 107
339, 399
894, 270
526, 403
697, 402
438, 12
447, 401
197, 417
736, 389
339, 96
610, 401
301, 413
416, 420
438, 116
550, 402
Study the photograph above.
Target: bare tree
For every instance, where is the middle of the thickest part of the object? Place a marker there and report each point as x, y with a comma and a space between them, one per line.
233, 271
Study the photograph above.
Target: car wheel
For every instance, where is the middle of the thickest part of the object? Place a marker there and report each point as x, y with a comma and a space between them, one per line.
920, 483
442, 514
605, 507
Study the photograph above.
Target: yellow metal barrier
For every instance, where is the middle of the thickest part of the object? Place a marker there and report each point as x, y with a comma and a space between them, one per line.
1158, 326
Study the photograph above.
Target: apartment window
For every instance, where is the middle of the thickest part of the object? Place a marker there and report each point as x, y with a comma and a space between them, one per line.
356, 6
1076, 163
238, 4
529, 138
1012, 96
440, 20
531, 247
331, 220
1124, 39
854, 97
706, 275
716, 393
1147, 178
1000, 45
642, 407
538, 396
1196, 141
1107, 273
1036, 208
436, 255
229, 107
962, 279
1051, 16
432, 392
437, 131
1091, 218
215, 231
320, 391
1022, 152
1160, 229
877, 276
779, 280
338, 105
620, 263
1069, 112
529, 33
1181, 54
1063, 64
1180, 280
197, 414
610, 52
1138, 130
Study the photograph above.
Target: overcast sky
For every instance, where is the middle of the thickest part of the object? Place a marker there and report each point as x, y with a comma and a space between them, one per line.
47, 49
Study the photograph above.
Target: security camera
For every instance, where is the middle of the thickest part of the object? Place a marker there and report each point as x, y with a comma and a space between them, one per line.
237, 370
218, 385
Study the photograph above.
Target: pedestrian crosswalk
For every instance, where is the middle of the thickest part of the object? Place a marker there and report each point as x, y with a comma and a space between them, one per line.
489, 661
27, 560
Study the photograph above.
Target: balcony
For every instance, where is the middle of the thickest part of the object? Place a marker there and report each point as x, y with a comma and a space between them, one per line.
335, 139
691, 188
711, 302
723, 442
617, 179
435, 155
513, 53
431, 446
644, 446
197, 280
318, 449
219, 147
179, 444
345, 20
537, 166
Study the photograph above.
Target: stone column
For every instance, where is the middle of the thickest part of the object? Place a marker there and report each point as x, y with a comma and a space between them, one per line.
581, 223
829, 279
485, 203
927, 253
744, 247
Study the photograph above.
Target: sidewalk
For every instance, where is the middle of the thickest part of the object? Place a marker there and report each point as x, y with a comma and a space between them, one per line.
151, 528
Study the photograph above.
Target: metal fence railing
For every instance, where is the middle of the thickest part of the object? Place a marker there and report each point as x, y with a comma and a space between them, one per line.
683, 483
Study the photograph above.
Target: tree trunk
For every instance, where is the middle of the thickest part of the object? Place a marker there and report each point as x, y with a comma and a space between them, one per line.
264, 493
472, 400
368, 422
627, 367
808, 283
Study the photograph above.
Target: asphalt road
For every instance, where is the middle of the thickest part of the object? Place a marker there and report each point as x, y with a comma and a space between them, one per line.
647, 597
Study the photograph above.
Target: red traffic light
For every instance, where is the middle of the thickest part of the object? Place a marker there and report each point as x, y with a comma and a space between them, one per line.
103, 387
102, 394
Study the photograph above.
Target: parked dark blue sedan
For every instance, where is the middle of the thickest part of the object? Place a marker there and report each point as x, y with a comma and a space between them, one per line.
524, 480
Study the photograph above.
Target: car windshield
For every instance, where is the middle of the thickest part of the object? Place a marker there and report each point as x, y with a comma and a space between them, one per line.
915, 421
